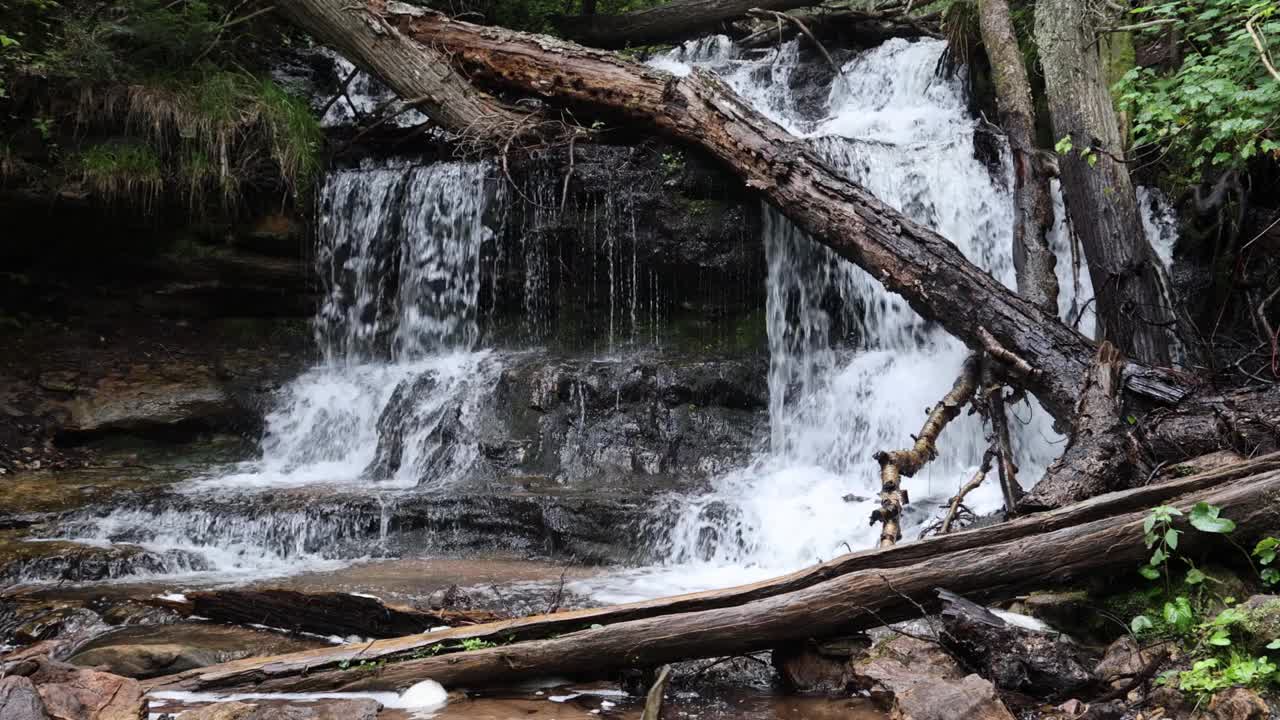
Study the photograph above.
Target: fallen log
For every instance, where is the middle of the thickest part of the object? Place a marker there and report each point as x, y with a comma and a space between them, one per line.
331, 613
671, 22
835, 597
855, 29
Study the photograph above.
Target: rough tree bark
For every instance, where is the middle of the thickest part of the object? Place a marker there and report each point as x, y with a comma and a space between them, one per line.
1033, 260
852, 28
672, 22
844, 603
420, 75
1133, 306
541, 626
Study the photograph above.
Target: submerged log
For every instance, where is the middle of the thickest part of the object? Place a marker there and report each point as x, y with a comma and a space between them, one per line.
857, 591
330, 613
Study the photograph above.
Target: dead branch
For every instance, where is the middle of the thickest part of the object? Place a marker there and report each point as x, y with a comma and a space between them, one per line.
653, 701
954, 507
896, 464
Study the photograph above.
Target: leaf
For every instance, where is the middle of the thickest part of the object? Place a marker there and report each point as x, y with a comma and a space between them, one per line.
1273, 645
1158, 557
1265, 550
1271, 576
1142, 622
1204, 517
1171, 538
1220, 638
1194, 577
1149, 572
1150, 523
1063, 146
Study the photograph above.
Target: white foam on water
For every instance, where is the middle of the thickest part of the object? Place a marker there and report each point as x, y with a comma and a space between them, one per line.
425, 696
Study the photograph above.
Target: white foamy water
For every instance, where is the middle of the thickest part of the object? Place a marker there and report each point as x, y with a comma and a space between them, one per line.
388, 409
852, 368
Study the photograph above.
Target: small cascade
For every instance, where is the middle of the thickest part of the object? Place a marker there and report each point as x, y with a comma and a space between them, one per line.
390, 408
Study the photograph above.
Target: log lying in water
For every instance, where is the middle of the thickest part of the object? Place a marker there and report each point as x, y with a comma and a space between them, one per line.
857, 591
331, 613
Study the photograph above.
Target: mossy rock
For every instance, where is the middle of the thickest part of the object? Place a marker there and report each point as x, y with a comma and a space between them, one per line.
1262, 620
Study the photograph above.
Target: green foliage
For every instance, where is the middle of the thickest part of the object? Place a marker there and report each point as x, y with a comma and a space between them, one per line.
1265, 552
672, 162
176, 77
1217, 109
1212, 640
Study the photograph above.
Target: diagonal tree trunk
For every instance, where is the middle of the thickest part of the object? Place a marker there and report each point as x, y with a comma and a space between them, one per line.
1134, 309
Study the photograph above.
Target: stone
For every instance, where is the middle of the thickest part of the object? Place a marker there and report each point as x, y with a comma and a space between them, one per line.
70, 693
1067, 611
1262, 620
810, 667
219, 711
1171, 702
151, 651
147, 399
20, 701
357, 709
65, 381
918, 680
1014, 657
1237, 704
1124, 658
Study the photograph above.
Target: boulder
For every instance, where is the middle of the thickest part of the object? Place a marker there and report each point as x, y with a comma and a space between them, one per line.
1237, 704
70, 693
150, 651
1262, 620
918, 680
19, 700
148, 398
1125, 658
812, 667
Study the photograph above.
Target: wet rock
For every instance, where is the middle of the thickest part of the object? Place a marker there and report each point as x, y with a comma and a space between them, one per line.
1065, 611
150, 651
147, 398
70, 693
917, 680
219, 711
819, 667
1262, 620
1171, 702
65, 381
1237, 704
19, 700
1014, 658
451, 598
631, 424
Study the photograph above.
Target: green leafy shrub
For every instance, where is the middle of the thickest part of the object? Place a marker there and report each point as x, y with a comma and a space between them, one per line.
1218, 108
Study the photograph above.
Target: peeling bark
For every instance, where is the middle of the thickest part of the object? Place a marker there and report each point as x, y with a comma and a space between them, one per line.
896, 464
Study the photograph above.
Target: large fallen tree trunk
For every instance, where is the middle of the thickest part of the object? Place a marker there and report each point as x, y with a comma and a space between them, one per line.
246, 672
847, 602
671, 22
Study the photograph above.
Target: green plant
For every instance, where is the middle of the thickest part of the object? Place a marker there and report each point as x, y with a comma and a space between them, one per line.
1218, 107
1265, 552
476, 644
672, 162
1161, 538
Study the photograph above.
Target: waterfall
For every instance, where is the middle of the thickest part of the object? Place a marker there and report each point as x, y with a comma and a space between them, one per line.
389, 407
853, 369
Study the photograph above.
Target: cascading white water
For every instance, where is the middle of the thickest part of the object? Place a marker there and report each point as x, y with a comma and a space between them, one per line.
852, 368
399, 258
